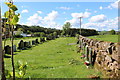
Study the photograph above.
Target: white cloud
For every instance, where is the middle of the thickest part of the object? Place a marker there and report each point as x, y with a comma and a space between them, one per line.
100, 7
25, 11
40, 12
98, 18
106, 25
65, 8
51, 16
47, 21
34, 20
115, 4
87, 9
109, 7
75, 18
84, 15
95, 11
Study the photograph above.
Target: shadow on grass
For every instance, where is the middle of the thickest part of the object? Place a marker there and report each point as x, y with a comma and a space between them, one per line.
7, 56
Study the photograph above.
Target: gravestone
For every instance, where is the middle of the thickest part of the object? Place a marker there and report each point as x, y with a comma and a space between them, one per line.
40, 39
26, 44
36, 41
33, 42
7, 49
29, 44
14, 48
43, 39
21, 45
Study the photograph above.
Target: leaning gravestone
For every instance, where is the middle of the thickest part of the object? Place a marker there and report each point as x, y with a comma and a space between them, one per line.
14, 48
21, 45
7, 49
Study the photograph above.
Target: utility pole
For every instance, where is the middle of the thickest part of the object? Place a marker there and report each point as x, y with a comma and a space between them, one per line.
80, 23
80, 32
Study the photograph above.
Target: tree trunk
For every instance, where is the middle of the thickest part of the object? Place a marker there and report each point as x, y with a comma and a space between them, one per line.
2, 69
12, 52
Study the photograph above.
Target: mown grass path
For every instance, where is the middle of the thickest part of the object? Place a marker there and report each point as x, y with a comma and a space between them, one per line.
52, 60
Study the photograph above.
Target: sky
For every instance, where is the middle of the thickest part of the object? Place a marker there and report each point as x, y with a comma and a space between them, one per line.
96, 15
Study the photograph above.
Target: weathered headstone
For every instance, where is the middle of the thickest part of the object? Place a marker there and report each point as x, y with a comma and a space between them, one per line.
7, 49
40, 39
33, 42
26, 44
29, 44
14, 48
21, 45
43, 39
37, 41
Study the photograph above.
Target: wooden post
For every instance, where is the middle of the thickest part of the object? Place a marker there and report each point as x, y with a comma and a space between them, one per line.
87, 52
90, 55
0, 44
2, 69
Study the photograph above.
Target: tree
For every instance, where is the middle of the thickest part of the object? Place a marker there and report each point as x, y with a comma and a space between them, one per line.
112, 32
2, 70
13, 18
55, 34
66, 28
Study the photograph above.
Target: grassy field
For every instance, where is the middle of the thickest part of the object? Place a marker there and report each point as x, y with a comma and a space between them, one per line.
109, 38
17, 40
53, 59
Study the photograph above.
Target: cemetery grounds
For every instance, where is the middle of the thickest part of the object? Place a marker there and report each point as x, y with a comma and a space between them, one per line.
56, 58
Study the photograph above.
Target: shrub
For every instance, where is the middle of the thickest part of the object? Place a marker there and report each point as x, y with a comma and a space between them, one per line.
18, 36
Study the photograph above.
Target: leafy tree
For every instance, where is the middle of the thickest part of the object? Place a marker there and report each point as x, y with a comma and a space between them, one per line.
112, 32
66, 28
55, 34
13, 18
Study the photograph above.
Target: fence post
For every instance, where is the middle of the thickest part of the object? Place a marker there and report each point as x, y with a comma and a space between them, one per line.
87, 53
90, 55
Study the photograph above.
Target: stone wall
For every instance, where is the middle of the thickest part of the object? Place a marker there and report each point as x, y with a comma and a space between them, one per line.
106, 55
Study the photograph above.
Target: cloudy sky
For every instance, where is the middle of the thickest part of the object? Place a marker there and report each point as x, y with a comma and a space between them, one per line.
96, 15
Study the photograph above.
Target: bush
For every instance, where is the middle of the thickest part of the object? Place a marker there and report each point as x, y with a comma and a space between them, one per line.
112, 32
18, 36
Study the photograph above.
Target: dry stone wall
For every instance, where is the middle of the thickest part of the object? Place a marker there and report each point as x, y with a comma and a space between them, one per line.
105, 55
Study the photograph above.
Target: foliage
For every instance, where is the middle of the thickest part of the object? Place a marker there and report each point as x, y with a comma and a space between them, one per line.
37, 29
18, 36
66, 28
12, 20
112, 32
22, 66
21, 70
103, 32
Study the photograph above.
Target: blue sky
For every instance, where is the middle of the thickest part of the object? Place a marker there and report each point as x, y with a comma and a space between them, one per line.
96, 15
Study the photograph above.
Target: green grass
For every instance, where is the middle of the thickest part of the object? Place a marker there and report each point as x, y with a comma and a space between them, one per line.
51, 60
17, 40
109, 38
